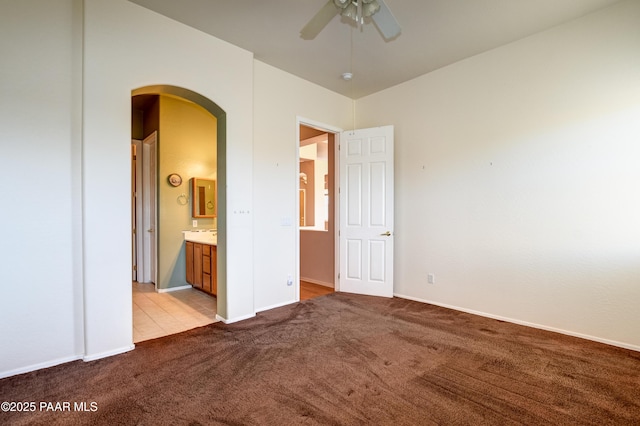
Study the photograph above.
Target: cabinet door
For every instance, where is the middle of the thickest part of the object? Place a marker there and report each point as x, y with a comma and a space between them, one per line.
206, 264
197, 265
206, 268
189, 261
206, 281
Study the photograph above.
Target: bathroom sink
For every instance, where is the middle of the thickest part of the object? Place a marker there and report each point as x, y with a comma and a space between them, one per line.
203, 237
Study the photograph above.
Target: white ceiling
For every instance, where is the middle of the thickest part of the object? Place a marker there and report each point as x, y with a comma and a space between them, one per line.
435, 33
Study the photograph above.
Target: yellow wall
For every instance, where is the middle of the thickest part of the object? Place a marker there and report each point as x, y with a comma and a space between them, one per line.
187, 143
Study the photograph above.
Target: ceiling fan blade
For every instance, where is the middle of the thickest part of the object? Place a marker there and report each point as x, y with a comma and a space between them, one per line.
386, 22
319, 21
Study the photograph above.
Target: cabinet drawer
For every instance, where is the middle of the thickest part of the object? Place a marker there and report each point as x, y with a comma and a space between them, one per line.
206, 250
206, 264
206, 282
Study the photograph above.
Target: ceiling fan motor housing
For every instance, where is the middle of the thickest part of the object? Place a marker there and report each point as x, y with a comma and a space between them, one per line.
350, 8
356, 10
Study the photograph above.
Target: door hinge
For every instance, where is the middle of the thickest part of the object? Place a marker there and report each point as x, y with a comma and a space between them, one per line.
135, 267
338, 275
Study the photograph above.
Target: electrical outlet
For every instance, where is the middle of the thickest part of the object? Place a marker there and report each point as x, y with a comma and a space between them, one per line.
431, 279
289, 281
194, 223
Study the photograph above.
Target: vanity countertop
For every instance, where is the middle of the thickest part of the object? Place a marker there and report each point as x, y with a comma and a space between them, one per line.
202, 237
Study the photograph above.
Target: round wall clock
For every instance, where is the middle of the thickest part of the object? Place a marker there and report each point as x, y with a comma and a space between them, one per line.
174, 179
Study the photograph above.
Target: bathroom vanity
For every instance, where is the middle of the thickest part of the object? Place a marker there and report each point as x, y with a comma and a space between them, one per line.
201, 260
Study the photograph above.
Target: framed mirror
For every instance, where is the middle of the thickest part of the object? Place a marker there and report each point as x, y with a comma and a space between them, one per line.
203, 196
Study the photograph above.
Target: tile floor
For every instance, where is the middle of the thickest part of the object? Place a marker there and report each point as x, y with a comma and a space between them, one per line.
161, 314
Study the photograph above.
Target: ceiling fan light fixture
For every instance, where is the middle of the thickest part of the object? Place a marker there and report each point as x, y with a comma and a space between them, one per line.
350, 11
376, 11
370, 8
342, 3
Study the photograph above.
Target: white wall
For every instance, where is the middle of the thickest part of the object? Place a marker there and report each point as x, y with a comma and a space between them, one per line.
278, 98
517, 174
41, 298
517, 179
127, 47
66, 118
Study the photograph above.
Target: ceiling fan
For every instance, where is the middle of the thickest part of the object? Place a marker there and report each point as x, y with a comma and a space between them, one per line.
357, 10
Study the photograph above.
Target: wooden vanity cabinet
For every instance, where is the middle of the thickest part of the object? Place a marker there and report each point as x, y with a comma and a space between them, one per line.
202, 267
189, 256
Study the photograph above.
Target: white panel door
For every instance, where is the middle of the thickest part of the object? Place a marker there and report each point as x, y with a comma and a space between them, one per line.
366, 211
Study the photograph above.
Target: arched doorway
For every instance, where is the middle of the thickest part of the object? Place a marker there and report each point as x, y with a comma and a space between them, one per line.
175, 203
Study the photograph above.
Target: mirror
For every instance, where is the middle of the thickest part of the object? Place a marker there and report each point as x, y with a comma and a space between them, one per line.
203, 196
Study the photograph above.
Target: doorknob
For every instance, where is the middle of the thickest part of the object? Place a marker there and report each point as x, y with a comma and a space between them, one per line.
150, 230
386, 234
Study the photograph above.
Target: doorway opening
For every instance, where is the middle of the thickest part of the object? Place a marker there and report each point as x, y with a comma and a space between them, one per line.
143, 208
316, 211
363, 238
189, 134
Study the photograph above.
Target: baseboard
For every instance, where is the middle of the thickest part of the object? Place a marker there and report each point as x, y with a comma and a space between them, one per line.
100, 355
525, 323
312, 281
39, 366
232, 320
170, 289
278, 305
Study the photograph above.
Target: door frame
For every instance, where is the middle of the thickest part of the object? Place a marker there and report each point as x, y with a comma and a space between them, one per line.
336, 214
150, 207
137, 211
146, 210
